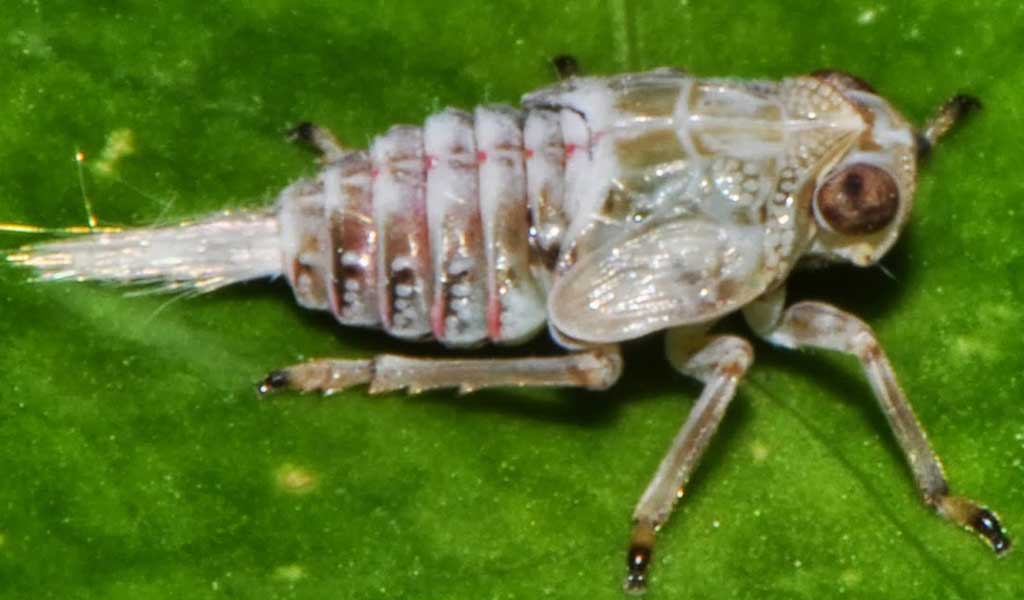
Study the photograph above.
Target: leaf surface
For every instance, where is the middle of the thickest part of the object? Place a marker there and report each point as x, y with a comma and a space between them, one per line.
139, 463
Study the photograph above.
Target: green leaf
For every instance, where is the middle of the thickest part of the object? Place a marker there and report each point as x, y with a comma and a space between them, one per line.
139, 463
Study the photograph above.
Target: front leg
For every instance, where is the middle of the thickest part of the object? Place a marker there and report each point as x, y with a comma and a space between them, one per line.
595, 369
819, 325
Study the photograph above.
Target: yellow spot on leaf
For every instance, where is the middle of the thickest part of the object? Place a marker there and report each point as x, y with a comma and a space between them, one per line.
760, 451
295, 479
290, 573
850, 577
120, 143
975, 347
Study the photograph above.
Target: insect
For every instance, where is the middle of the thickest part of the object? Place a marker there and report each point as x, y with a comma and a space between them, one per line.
606, 209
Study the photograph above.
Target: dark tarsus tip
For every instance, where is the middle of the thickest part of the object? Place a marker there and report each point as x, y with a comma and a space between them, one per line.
986, 524
566, 66
274, 381
965, 104
924, 147
638, 559
302, 132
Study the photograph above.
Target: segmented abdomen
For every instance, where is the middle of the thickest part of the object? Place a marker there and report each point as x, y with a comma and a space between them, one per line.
446, 231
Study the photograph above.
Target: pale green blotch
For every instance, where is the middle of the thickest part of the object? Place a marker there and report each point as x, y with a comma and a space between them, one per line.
759, 450
120, 143
290, 573
850, 577
295, 479
974, 346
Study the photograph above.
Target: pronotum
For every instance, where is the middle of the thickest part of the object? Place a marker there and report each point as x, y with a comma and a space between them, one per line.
606, 208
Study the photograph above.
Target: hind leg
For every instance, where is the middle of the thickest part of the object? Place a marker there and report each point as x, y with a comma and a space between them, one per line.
595, 369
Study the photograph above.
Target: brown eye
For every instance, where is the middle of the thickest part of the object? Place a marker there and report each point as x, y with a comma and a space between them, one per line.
859, 199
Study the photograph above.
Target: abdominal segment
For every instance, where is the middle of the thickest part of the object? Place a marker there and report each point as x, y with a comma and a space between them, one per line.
428, 234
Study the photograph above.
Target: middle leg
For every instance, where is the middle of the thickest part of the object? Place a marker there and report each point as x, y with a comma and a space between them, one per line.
720, 362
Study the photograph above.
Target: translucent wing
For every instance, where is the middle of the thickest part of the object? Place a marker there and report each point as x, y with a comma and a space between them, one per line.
673, 272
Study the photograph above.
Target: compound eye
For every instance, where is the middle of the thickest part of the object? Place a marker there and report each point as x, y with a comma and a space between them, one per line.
858, 200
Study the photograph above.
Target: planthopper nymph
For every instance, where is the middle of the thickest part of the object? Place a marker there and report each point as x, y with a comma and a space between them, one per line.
602, 210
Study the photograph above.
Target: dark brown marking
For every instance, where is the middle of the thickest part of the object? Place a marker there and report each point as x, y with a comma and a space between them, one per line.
303, 132
402, 276
649, 101
316, 294
802, 326
733, 369
728, 289
842, 81
566, 66
962, 105
275, 380
448, 299
578, 375
509, 147
346, 273
866, 141
949, 114
548, 256
649, 149
617, 204
351, 272
638, 560
987, 525
638, 557
872, 353
310, 244
351, 231
860, 199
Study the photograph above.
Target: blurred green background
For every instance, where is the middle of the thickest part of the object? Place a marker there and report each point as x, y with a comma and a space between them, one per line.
137, 461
